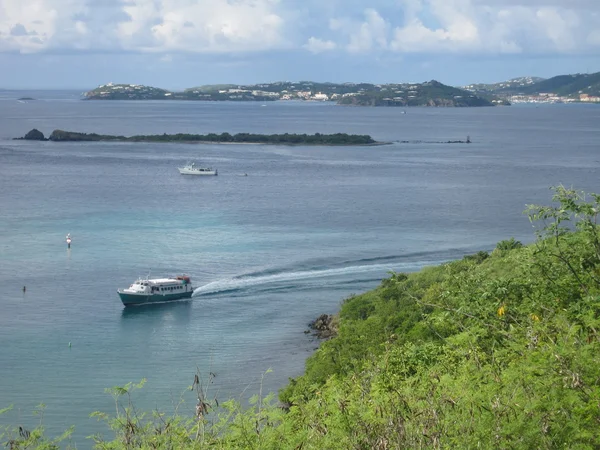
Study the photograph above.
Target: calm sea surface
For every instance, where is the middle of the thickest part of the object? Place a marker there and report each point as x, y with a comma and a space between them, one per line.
268, 252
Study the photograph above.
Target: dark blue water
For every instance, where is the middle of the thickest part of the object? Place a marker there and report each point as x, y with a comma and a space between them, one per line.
268, 252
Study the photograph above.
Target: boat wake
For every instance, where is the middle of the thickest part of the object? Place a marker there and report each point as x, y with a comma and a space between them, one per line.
347, 273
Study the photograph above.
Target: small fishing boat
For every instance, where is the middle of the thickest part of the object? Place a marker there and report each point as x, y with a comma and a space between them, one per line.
156, 290
192, 169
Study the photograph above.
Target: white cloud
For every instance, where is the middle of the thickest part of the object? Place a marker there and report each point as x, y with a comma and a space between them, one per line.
369, 33
316, 45
25, 26
473, 26
141, 25
171, 25
353, 26
208, 26
559, 27
373, 31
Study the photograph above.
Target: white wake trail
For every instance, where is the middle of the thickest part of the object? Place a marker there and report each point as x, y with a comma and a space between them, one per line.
230, 284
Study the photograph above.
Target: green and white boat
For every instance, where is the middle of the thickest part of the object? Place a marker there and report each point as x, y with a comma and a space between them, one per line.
156, 290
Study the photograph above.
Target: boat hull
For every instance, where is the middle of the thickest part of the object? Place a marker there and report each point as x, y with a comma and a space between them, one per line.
184, 171
145, 299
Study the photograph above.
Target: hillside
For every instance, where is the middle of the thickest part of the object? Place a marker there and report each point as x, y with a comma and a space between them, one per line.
565, 86
432, 93
512, 84
112, 91
496, 350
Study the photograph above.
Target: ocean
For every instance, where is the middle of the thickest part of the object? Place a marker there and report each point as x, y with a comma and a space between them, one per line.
267, 252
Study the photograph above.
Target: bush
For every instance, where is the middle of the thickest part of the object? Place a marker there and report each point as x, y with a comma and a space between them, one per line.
508, 244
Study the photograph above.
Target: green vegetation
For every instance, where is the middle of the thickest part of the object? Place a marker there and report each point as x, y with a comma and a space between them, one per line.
242, 138
126, 92
498, 350
509, 244
562, 85
431, 93
512, 84
567, 85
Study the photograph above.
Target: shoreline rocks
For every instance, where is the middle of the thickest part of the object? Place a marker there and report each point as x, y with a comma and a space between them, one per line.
324, 327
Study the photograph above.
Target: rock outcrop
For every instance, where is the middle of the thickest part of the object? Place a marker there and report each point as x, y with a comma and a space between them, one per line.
34, 135
325, 326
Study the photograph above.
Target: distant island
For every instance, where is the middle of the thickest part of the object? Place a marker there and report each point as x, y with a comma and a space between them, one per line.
580, 87
559, 89
239, 138
431, 93
25, 98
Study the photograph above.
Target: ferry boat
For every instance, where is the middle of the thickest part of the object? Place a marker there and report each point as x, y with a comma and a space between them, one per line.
156, 290
192, 169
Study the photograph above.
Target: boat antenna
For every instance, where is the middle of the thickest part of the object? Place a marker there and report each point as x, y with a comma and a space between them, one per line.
148, 276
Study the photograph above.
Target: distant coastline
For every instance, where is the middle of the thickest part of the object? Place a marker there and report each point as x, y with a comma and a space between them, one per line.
430, 93
337, 139
581, 87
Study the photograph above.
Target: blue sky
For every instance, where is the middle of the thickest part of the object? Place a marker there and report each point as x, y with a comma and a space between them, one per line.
182, 43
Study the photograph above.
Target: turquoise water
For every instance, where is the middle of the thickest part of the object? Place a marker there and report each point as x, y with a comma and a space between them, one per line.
267, 253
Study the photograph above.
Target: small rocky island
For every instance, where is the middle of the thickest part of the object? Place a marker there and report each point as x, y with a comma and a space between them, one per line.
34, 135
226, 138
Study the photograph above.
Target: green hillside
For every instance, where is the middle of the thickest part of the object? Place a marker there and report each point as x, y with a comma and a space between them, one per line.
563, 85
512, 84
112, 91
497, 350
431, 93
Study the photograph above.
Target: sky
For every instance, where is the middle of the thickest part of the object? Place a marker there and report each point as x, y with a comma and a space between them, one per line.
175, 44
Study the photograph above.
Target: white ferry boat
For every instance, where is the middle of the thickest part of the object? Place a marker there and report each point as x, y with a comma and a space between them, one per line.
192, 169
156, 290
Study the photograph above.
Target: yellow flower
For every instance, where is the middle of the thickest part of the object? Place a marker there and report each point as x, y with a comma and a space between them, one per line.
535, 317
501, 311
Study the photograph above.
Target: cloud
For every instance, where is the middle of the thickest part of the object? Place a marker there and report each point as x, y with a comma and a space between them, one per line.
316, 45
20, 30
372, 32
142, 25
472, 26
377, 27
207, 26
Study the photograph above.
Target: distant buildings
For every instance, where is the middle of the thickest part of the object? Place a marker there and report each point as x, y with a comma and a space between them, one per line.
589, 98
542, 97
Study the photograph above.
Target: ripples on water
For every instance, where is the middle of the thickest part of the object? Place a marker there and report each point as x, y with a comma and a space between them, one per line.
267, 253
